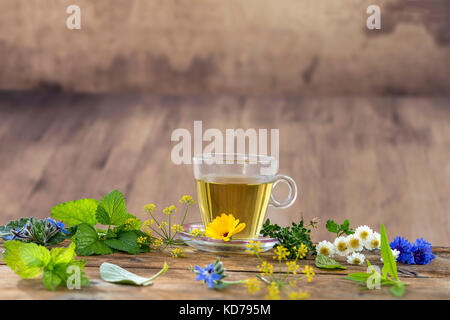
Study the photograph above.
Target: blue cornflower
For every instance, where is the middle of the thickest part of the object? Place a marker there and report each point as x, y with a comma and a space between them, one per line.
405, 248
421, 251
59, 225
207, 275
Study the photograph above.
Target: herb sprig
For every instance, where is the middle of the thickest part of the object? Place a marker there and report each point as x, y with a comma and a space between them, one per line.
292, 237
341, 229
123, 229
44, 232
30, 260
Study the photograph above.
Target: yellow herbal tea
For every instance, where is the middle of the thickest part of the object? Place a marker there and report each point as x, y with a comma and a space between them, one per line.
245, 198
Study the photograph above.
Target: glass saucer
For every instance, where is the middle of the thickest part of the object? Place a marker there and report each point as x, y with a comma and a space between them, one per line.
213, 245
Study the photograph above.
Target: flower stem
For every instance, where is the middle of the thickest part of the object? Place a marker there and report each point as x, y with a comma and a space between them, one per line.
164, 269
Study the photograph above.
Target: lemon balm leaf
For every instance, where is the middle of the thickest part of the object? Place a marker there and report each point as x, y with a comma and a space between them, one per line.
51, 280
112, 209
25, 259
73, 213
127, 241
63, 255
87, 241
390, 266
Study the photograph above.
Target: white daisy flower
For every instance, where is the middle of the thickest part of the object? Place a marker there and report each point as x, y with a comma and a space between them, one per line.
355, 244
341, 246
356, 258
363, 232
396, 254
373, 242
325, 248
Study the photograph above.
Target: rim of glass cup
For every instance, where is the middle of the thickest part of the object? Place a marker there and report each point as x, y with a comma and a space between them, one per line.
252, 158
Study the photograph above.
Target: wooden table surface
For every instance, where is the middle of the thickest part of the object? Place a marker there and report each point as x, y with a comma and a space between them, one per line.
426, 282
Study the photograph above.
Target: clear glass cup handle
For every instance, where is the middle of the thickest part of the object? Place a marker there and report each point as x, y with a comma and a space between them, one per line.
292, 192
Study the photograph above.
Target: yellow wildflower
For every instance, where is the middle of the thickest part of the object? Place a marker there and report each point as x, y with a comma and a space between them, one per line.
265, 268
301, 295
177, 228
163, 223
302, 251
252, 285
274, 292
148, 223
149, 208
141, 239
197, 233
292, 266
224, 227
187, 200
293, 283
177, 253
281, 253
158, 242
309, 273
149, 232
170, 210
253, 247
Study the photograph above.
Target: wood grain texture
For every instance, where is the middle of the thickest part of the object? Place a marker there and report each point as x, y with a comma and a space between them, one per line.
426, 282
372, 160
257, 47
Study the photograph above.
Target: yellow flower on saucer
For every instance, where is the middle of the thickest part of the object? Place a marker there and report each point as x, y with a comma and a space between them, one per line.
224, 227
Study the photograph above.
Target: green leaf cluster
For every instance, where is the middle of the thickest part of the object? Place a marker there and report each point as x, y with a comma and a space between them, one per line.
115, 274
123, 228
324, 262
339, 229
389, 275
30, 260
42, 232
290, 237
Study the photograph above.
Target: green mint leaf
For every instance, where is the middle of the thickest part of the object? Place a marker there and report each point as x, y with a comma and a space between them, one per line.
51, 280
87, 242
113, 273
359, 276
332, 226
390, 266
324, 262
73, 213
125, 241
345, 227
398, 289
112, 209
63, 255
26, 259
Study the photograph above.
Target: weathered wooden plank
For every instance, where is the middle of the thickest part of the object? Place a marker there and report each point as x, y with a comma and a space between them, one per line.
181, 284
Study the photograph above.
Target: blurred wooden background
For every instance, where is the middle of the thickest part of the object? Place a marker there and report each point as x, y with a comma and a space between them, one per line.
257, 47
364, 117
